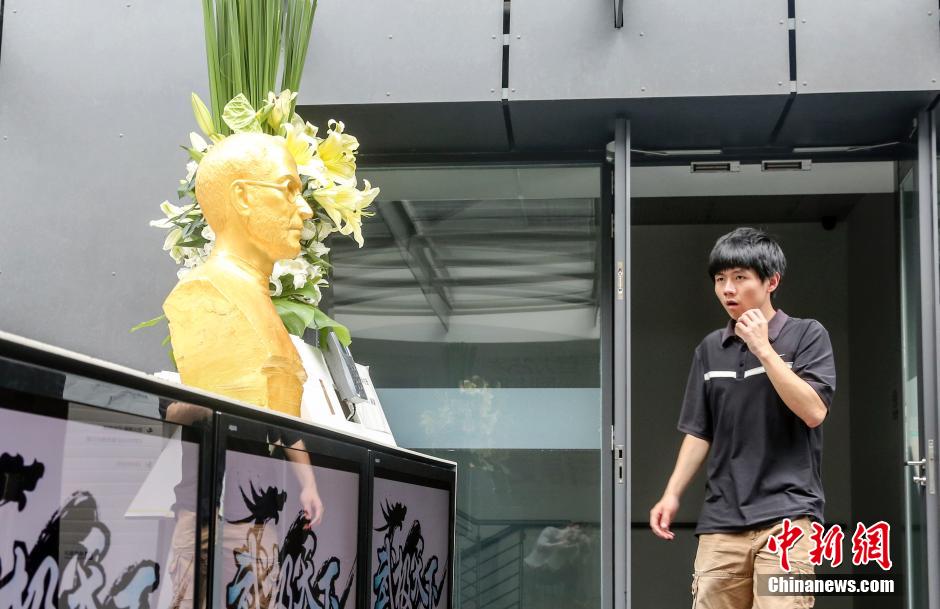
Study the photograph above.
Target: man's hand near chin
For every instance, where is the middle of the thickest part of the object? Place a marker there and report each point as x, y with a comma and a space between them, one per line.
752, 328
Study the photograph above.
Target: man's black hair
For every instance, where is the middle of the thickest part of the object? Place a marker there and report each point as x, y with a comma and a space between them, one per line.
747, 248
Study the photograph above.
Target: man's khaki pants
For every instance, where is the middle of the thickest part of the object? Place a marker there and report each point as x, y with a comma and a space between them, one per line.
726, 563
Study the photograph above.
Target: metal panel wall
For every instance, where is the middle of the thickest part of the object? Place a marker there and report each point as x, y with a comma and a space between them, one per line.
571, 50
94, 103
367, 52
871, 45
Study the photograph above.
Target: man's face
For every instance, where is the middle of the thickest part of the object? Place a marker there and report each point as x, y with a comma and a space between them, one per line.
741, 289
276, 208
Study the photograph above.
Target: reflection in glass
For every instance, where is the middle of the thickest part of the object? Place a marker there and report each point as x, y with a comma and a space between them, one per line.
409, 545
272, 555
914, 516
475, 302
90, 501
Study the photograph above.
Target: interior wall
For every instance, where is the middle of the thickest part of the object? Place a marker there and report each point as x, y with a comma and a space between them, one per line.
673, 307
874, 381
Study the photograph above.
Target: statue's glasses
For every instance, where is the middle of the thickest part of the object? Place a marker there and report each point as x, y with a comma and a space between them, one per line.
290, 188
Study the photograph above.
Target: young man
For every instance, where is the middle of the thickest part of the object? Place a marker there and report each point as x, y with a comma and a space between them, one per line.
757, 393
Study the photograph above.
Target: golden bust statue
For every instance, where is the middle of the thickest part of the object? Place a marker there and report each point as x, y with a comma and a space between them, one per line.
227, 337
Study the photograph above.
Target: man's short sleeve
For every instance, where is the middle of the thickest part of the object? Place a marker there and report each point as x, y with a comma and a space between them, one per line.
695, 418
814, 362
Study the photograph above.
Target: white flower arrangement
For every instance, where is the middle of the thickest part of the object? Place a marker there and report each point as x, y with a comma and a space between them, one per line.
327, 167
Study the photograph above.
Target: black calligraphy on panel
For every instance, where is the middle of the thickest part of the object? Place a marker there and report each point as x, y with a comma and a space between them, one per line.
403, 579
64, 568
284, 572
17, 478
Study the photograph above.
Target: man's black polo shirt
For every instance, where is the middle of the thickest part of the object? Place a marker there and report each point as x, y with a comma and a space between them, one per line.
765, 462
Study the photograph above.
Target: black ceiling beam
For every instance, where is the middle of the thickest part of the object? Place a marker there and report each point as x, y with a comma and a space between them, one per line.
404, 232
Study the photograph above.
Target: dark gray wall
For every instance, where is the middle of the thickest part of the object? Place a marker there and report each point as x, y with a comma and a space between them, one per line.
94, 104
688, 74
874, 381
430, 51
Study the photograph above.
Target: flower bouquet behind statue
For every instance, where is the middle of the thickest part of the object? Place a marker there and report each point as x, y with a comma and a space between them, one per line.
327, 167
249, 47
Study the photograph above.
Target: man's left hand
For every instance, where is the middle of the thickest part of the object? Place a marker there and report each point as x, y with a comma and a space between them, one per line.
752, 329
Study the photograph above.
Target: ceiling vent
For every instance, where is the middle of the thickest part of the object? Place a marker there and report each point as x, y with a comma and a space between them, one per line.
715, 166
787, 165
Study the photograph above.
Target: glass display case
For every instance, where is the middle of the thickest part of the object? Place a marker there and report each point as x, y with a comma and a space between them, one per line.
122, 491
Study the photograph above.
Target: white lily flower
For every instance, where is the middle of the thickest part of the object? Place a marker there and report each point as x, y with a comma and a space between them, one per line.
316, 170
298, 268
309, 231
338, 154
197, 142
169, 210
190, 171
324, 230
345, 205
207, 233
172, 239
318, 249
162, 223
182, 272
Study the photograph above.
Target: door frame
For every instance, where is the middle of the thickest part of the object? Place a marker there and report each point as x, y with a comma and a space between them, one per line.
619, 369
927, 227
621, 478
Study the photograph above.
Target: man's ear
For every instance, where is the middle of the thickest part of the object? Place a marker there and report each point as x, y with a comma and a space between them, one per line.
241, 201
773, 282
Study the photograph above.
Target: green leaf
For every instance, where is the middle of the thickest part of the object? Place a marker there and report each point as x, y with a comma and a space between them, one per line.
194, 154
297, 316
197, 242
149, 323
240, 116
317, 260
305, 292
263, 114
322, 321
203, 118
166, 341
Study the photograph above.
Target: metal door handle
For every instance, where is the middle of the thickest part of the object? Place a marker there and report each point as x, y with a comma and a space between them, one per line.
921, 466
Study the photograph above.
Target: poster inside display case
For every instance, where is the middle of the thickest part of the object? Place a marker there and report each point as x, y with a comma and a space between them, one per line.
412, 535
97, 508
290, 521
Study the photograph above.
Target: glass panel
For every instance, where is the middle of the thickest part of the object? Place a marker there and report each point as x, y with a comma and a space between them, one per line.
911, 336
475, 302
410, 544
97, 508
269, 549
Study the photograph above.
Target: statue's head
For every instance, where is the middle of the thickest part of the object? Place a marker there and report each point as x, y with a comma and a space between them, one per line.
249, 191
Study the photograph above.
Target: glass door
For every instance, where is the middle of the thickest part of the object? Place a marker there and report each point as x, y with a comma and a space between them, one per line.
477, 303
918, 208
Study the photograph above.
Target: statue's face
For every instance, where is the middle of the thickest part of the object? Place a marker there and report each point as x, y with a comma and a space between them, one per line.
275, 210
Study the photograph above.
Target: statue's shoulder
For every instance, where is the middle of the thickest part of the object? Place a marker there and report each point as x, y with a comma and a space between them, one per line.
199, 291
